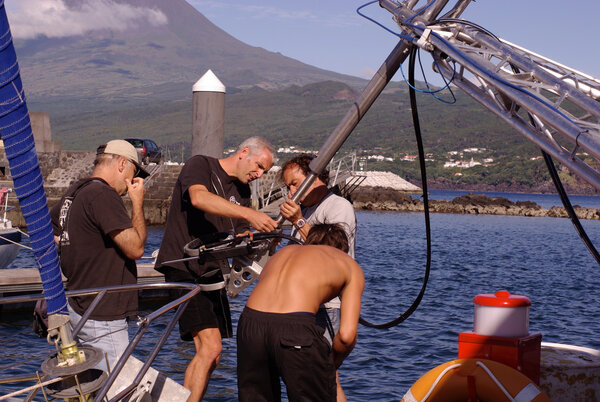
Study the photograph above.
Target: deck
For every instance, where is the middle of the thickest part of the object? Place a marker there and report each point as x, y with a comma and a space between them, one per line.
27, 280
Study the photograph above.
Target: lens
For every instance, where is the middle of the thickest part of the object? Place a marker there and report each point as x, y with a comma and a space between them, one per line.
136, 170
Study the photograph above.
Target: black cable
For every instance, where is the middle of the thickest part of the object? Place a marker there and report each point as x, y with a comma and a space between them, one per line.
199, 248
276, 235
197, 243
564, 197
569, 208
417, 126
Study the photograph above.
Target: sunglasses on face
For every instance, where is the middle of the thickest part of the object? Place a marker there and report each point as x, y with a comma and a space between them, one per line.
136, 170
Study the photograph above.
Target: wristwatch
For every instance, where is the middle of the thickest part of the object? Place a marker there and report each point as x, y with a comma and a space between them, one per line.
299, 223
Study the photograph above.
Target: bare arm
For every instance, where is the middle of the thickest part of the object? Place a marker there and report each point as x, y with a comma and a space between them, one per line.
291, 211
131, 241
213, 204
345, 339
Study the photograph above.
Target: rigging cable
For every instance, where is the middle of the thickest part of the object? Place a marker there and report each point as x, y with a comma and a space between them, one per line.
407, 37
569, 208
413, 40
466, 22
417, 126
497, 78
558, 182
547, 158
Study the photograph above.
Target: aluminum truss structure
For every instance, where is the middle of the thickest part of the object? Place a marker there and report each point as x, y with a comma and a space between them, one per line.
552, 105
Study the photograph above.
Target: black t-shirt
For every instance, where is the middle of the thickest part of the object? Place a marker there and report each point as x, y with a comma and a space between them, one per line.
88, 256
186, 223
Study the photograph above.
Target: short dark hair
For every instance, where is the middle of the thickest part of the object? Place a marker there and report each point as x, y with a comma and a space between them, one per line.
329, 234
302, 161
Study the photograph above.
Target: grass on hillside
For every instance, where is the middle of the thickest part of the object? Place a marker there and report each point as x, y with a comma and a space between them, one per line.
305, 117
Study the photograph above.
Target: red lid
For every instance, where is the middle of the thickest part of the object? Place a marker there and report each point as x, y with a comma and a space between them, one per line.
501, 299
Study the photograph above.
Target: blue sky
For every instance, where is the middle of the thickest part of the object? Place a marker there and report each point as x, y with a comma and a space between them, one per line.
331, 35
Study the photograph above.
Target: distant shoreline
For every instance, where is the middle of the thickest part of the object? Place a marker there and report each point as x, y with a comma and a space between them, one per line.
543, 188
382, 199
385, 199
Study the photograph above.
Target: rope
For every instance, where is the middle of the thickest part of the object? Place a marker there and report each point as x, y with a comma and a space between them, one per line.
14, 242
31, 388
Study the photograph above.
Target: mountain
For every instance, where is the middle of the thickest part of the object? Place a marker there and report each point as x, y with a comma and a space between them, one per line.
120, 68
156, 53
304, 116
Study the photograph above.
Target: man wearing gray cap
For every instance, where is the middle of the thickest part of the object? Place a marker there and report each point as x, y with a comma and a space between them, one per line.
98, 244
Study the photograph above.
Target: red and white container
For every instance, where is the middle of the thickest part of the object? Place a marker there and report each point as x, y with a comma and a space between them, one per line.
501, 314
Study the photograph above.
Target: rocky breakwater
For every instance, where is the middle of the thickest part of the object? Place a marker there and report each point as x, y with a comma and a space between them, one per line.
383, 199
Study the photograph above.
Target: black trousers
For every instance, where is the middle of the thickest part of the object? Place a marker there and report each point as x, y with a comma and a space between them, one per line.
290, 346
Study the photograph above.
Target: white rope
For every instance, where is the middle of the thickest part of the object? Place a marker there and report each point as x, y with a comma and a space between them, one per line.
487, 370
152, 256
437, 380
20, 231
14, 242
36, 386
527, 394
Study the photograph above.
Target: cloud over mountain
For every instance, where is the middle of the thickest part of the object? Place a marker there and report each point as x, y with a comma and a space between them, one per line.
30, 19
89, 52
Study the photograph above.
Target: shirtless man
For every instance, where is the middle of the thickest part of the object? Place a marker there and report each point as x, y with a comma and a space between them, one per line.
277, 335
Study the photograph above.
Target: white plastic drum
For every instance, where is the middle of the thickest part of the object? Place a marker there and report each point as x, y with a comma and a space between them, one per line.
501, 314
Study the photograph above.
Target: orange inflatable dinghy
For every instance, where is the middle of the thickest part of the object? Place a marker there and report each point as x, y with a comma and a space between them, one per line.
474, 380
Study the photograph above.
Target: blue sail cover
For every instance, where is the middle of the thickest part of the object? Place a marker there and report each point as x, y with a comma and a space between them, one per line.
15, 131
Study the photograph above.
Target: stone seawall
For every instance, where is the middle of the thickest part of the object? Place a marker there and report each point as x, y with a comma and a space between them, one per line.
61, 168
378, 199
155, 211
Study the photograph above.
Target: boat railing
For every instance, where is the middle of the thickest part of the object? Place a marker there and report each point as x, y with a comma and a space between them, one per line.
142, 323
344, 175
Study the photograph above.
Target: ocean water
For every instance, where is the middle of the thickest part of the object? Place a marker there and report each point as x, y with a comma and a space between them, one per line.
541, 258
543, 200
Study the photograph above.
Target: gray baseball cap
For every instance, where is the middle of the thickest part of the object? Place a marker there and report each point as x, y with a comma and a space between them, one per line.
126, 150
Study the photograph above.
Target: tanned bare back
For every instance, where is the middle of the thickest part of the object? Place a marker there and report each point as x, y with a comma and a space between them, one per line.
301, 278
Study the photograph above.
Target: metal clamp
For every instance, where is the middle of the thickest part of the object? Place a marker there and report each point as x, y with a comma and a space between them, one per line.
241, 277
423, 41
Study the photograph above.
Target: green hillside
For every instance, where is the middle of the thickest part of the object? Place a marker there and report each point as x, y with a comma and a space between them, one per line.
305, 116
136, 81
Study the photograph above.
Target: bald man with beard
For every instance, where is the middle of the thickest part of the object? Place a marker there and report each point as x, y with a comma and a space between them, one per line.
277, 335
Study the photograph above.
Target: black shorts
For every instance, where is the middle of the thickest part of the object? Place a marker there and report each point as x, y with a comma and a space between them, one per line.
205, 310
287, 346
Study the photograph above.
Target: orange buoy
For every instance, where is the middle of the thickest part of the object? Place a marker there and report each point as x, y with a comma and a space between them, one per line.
474, 379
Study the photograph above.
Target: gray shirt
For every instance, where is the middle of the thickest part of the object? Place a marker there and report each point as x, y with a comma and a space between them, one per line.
332, 209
